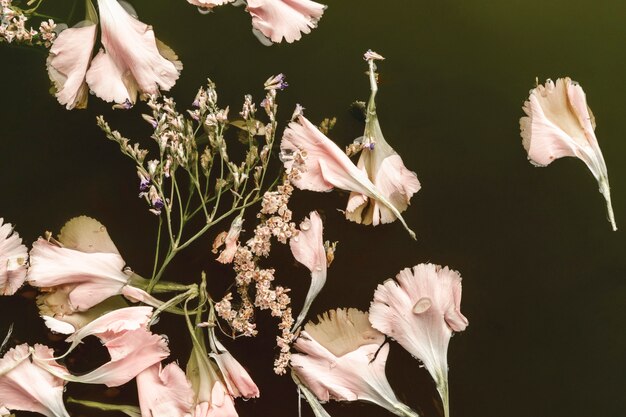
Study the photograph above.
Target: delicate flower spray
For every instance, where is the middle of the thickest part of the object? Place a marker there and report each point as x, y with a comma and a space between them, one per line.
559, 123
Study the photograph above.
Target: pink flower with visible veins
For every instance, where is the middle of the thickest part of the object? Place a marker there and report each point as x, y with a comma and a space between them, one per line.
238, 381
132, 61
383, 165
559, 123
164, 392
84, 266
343, 358
320, 165
13, 255
308, 248
420, 311
69, 59
284, 19
26, 386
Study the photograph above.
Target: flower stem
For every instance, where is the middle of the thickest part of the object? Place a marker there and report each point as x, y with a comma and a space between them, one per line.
606, 192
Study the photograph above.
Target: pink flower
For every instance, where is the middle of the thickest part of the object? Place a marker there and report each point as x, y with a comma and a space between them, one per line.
420, 311
25, 385
221, 404
69, 59
343, 358
383, 165
238, 381
559, 123
86, 272
288, 19
13, 255
209, 4
308, 248
164, 391
132, 61
231, 241
132, 347
316, 163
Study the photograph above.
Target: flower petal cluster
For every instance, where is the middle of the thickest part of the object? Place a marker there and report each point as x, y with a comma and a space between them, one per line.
420, 311
343, 358
383, 165
237, 379
308, 248
559, 123
284, 19
132, 60
13, 255
80, 270
321, 165
27, 386
164, 391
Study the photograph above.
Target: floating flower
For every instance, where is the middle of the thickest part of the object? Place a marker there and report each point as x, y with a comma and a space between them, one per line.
13, 255
308, 248
343, 358
383, 165
288, 19
69, 59
559, 123
316, 163
209, 4
84, 273
420, 312
132, 61
26, 386
164, 391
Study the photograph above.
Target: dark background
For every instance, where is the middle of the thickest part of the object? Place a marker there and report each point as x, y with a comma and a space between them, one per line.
543, 274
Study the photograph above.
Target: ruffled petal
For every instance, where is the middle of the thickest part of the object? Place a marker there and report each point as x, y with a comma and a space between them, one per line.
284, 19
13, 256
164, 391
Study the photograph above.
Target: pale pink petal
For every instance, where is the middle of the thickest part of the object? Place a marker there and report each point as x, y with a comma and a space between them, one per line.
112, 324
164, 392
26, 386
231, 241
308, 248
131, 352
420, 311
58, 318
237, 379
68, 61
209, 4
222, 404
342, 359
13, 256
288, 19
558, 123
97, 276
131, 61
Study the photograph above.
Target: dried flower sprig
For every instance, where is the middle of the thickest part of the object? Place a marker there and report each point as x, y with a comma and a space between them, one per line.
193, 174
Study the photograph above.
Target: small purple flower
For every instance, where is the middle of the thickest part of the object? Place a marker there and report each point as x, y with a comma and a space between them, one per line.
276, 83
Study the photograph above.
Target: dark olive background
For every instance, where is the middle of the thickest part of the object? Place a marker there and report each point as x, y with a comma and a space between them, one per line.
544, 276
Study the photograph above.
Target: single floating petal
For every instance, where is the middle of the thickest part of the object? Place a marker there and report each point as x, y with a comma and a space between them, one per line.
420, 311
559, 123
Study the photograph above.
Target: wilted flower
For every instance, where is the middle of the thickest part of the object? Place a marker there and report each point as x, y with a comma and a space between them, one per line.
209, 4
26, 386
420, 312
237, 379
322, 165
69, 59
231, 241
308, 248
13, 255
559, 123
383, 166
84, 266
288, 19
343, 358
164, 391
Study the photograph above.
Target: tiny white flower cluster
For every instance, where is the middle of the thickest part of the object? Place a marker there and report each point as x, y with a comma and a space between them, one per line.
13, 27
